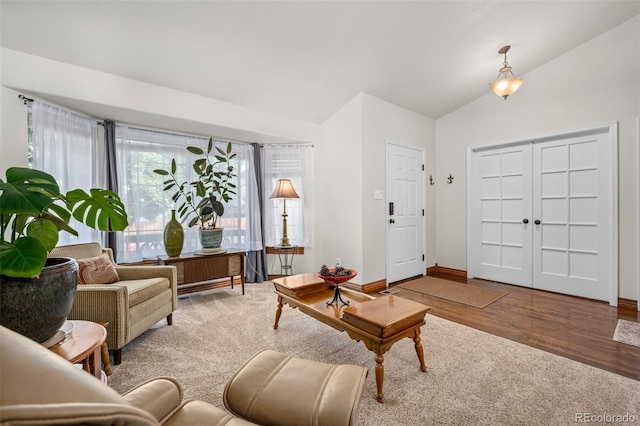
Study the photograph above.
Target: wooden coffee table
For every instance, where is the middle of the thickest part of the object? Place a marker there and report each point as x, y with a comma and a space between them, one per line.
84, 346
377, 322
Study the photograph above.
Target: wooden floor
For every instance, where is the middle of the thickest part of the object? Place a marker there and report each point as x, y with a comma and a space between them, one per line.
572, 327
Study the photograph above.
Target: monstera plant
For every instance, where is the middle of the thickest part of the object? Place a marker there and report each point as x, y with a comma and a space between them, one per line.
36, 291
33, 212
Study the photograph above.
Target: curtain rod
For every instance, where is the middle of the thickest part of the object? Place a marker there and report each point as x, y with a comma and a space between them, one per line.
24, 99
286, 144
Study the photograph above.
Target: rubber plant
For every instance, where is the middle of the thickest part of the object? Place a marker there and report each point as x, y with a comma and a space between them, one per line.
33, 211
201, 201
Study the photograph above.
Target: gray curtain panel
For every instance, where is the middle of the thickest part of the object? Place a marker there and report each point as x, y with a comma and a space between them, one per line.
256, 271
112, 174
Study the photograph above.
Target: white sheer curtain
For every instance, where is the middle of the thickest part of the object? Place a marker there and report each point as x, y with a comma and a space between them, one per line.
295, 162
139, 152
66, 145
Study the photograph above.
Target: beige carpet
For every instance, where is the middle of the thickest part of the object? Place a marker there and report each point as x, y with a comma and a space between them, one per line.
627, 332
467, 294
474, 378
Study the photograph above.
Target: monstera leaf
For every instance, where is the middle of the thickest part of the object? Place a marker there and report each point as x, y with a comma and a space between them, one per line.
27, 191
33, 212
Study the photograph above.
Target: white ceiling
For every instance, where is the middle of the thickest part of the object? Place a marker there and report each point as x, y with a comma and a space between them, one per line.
304, 59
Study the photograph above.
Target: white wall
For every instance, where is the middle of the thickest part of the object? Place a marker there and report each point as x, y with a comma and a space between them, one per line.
383, 121
13, 130
338, 183
350, 165
596, 83
130, 101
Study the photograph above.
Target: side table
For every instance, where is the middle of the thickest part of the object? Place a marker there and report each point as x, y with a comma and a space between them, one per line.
84, 345
285, 255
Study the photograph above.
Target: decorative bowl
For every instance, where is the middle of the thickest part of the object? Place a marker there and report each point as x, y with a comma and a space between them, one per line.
338, 279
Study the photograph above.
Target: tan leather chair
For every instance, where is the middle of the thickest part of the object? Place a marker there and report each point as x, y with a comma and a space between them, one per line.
38, 387
143, 296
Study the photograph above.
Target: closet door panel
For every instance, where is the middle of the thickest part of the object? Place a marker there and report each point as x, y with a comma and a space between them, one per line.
502, 240
567, 195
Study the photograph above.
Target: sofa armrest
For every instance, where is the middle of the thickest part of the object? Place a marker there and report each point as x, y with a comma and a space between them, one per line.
142, 272
159, 396
104, 303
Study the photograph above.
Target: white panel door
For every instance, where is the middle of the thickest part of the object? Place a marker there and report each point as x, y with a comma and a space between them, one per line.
570, 193
543, 214
503, 211
405, 217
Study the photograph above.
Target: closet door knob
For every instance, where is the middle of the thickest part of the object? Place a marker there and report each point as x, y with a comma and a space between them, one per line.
537, 222
525, 221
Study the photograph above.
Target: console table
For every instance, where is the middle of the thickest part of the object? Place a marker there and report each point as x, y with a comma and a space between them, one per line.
194, 268
377, 322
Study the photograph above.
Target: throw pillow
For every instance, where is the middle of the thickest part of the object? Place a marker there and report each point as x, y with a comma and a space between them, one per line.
97, 270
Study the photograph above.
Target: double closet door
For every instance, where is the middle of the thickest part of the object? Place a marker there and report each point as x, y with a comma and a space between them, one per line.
543, 214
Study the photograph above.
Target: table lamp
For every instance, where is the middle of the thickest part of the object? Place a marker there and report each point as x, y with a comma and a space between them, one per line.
284, 190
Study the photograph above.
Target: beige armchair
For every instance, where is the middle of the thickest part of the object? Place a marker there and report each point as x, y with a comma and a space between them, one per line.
143, 296
38, 387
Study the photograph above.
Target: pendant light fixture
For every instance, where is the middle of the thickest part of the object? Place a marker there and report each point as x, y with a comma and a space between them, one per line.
506, 84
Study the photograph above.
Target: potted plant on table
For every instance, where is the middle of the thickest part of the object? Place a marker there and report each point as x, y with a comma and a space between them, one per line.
201, 201
37, 292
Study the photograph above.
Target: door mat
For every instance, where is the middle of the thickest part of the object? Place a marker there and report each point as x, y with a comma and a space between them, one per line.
627, 332
467, 294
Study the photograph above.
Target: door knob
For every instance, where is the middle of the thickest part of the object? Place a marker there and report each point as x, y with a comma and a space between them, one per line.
392, 221
525, 221
537, 221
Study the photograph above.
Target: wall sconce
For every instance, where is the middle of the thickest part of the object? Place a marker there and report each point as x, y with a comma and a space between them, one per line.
505, 85
284, 190
450, 179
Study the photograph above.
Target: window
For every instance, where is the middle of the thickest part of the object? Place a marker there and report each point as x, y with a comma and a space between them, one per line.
294, 162
139, 152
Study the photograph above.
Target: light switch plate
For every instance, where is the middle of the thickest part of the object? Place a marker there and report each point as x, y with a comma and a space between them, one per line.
377, 194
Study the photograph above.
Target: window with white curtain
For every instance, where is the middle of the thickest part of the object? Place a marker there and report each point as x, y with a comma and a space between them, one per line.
139, 152
66, 145
294, 162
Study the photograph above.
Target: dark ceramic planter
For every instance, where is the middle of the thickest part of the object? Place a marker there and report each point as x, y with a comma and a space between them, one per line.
37, 307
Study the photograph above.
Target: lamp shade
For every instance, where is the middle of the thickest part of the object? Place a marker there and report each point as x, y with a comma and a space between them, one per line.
506, 86
284, 189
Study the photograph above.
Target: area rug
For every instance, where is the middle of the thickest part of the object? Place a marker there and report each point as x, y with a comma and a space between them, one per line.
467, 294
627, 332
473, 378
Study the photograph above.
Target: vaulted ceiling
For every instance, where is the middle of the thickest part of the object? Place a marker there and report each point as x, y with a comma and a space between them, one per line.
305, 59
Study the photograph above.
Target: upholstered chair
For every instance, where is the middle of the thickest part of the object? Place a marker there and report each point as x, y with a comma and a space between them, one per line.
39, 387
131, 301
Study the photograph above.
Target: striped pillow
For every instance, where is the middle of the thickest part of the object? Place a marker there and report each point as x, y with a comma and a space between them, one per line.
97, 270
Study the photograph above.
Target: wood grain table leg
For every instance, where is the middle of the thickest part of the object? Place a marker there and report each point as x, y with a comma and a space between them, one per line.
379, 377
278, 313
419, 350
106, 364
